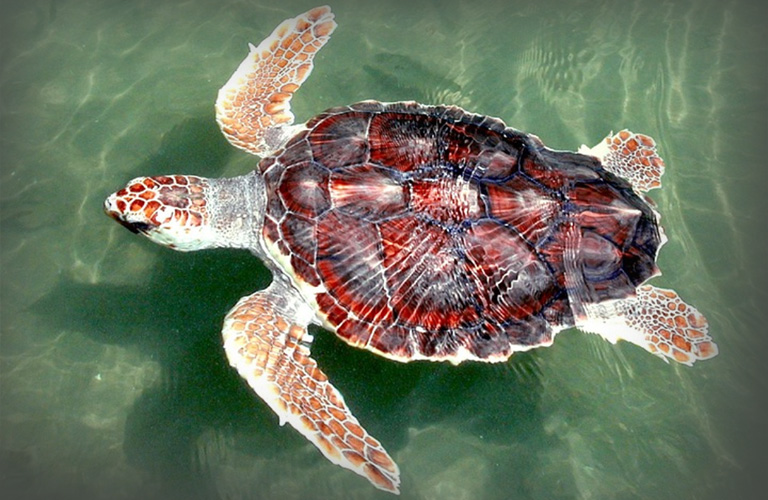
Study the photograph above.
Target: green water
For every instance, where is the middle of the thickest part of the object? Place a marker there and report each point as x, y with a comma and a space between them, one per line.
113, 383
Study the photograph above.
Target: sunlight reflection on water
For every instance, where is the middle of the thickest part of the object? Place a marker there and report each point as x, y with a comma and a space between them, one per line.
113, 380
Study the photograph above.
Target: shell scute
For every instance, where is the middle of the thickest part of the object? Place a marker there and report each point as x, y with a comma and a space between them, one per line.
402, 142
525, 206
304, 189
368, 192
341, 142
300, 234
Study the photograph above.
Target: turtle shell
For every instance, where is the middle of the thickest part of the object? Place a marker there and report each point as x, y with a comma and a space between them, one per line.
429, 232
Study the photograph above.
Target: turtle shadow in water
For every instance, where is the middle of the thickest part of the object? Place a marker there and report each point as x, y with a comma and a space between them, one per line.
484, 403
394, 77
192, 146
175, 319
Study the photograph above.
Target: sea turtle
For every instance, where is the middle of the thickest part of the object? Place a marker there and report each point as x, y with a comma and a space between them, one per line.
413, 231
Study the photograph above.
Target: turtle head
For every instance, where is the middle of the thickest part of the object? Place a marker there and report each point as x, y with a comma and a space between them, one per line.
185, 212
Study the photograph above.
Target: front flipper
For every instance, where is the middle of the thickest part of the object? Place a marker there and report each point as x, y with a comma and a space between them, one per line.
265, 338
254, 107
631, 156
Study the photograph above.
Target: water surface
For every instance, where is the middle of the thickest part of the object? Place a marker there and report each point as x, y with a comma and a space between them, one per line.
113, 381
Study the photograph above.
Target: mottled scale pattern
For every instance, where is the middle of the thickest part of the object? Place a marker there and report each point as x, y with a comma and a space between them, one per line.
634, 157
256, 100
427, 231
672, 328
270, 351
164, 199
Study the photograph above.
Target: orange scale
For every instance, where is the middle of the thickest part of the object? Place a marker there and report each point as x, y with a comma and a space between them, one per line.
354, 458
356, 444
378, 478
697, 320
680, 356
338, 415
315, 404
693, 333
707, 350
137, 205
681, 343
318, 375
289, 88
372, 442
306, 422
646, 140
337, 429
681, 322
381, 459
307, 37
322, 426
338, 443
151, 208
354, 429
280, 324
335, 399
326, 446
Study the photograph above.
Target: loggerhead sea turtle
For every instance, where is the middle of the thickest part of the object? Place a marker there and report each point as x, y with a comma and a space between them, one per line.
414, 231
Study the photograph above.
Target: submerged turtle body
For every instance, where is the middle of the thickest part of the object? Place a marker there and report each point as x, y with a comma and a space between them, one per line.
418, 232
429, 232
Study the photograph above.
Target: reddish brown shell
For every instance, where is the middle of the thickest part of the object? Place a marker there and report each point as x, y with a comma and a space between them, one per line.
433, 232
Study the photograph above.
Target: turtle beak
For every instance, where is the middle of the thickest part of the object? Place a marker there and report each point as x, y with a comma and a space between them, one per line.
134, 227
110, 208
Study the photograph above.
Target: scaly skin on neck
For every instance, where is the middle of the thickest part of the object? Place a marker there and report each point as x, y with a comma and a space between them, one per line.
188, 213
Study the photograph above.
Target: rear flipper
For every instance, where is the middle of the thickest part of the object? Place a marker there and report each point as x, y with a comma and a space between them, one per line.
654, 318
631, 156
657, 320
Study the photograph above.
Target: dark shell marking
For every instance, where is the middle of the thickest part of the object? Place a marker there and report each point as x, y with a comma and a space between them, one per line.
439, 233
